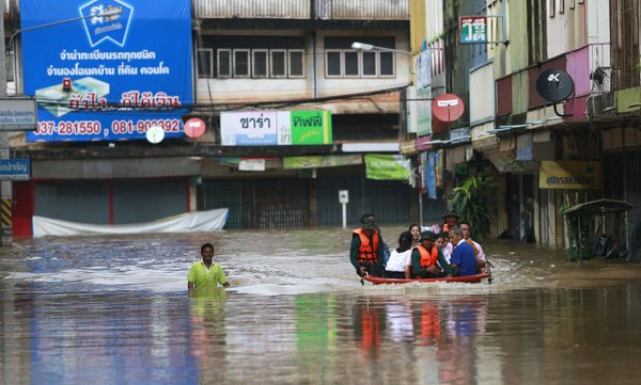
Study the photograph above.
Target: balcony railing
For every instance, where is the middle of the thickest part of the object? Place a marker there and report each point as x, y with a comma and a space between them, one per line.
363, 9
250, 9
302, 9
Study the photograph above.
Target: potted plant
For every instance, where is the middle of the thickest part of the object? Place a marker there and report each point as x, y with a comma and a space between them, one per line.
471, 202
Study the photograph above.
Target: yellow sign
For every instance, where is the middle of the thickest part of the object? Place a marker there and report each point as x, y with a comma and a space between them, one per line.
571, 175
408, 147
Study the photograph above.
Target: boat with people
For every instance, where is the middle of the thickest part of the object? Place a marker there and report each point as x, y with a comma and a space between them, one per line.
466, 279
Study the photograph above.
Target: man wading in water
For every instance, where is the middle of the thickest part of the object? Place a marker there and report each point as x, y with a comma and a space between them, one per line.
206, 273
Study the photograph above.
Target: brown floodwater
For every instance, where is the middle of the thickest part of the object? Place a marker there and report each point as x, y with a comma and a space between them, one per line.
115, 310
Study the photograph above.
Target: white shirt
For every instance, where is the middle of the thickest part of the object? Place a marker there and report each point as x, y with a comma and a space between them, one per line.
447, 251
398, 261
481, 255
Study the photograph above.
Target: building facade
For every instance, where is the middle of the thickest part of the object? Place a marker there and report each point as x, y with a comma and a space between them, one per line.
246, 56
590, 134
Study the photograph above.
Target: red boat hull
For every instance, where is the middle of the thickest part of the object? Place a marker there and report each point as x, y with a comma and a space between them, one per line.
390, 281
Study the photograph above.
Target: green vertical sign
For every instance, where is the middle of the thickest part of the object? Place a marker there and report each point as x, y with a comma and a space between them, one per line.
311, 127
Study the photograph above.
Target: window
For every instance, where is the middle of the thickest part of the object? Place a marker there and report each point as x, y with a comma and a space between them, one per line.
252, 63
278, 67
224, 63
296, 63
369, 64
357, 64
352, 67
259, 63
241, 63
205, 63
334, 64
387, 64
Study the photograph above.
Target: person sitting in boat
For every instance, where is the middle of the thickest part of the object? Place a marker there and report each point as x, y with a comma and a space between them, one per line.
450, 219
415, 230
366, 252
206, 273
444, 245
478, 250
425, 258
399, 264
463, 260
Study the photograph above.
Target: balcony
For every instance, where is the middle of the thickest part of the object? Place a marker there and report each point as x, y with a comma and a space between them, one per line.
302, 9
362, 9
252, 9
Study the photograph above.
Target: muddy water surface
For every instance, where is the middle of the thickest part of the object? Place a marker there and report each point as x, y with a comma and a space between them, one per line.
116, 311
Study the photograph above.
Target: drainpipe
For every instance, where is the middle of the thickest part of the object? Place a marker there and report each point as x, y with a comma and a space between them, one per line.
313, 17
314, 88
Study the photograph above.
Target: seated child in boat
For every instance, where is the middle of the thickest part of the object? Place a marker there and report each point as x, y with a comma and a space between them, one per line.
398, 265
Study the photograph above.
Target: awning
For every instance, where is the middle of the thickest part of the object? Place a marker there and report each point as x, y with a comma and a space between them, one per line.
600, 206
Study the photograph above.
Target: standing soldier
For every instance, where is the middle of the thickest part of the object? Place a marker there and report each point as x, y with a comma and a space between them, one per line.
366, 253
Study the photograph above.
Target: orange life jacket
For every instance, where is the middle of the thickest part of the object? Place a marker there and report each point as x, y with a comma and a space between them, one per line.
470, 242
368, 252
446, 227
428, 259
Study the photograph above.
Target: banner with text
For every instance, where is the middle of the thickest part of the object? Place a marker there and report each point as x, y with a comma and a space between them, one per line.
387, 167
120, 67
275, 128
571, 175
320, 161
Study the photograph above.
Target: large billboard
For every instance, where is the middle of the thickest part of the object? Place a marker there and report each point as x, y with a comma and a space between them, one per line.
107, 69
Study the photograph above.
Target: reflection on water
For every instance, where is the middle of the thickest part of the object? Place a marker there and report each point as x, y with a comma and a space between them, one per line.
116, 311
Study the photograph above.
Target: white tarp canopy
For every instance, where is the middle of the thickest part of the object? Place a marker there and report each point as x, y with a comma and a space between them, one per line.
211, 220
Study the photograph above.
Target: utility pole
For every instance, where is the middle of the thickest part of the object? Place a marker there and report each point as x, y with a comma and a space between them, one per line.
5, 185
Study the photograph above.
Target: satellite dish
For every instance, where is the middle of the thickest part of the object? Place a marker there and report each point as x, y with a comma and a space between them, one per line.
155, 134
194, 127
554, 85
448, 108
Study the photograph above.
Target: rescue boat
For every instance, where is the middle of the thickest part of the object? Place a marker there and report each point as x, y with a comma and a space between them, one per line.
467, 279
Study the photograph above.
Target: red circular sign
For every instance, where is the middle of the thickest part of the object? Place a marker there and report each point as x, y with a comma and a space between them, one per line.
195, 127
448, 108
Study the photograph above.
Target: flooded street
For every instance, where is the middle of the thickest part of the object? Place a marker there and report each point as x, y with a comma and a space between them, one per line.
116, 311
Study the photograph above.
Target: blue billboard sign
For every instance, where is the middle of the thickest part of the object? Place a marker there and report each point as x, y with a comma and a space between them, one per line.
110, 71
15, 169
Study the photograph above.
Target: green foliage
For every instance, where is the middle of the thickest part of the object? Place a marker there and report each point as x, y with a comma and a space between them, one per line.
471, 202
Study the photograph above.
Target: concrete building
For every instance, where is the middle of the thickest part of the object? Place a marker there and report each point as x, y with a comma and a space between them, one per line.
593, 130
251, 56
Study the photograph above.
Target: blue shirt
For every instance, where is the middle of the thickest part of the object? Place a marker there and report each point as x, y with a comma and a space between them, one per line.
463, 257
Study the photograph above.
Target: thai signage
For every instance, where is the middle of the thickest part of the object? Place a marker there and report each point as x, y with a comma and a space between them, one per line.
387, 167
473, 29
423, 68
120, 68
15, 169
273, 128
571, 175
307, 162
18, 114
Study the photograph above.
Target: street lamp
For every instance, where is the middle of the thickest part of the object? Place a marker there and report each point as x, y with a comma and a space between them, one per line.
370, 47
